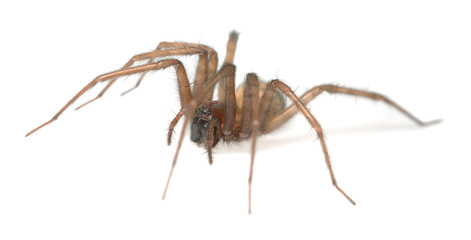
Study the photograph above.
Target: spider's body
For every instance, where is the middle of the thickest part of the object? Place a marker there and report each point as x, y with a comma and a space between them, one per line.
255, 108
207, 124
208, 114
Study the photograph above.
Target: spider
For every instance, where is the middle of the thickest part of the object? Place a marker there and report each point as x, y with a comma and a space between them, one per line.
255, 108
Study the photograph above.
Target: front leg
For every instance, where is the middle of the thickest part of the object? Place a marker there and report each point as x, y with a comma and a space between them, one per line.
185, 93
202, 64
226, 71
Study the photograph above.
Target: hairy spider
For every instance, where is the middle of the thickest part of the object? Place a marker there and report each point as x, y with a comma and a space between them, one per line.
255, 108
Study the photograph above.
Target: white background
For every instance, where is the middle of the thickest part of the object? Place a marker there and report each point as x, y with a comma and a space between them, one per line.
99, 173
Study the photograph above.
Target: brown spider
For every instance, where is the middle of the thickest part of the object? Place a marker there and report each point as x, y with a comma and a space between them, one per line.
255, 107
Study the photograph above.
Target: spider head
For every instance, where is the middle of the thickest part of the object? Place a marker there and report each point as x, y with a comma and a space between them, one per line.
206, 126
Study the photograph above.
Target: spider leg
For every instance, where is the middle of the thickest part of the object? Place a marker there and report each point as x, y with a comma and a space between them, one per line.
212, 67
226, 71
184, 86
202, 64
251, 89
230, 52
249, 123
268, 95
173, 124
212, 133
290, 111
200, 78
231, 46
229, 107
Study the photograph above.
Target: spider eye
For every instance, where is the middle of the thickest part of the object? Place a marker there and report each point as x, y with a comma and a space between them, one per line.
204, 110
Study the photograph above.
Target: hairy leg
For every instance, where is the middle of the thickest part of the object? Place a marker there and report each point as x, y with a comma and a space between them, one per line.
268, 95
184, 86
290, 111
226, 71
205, 71
222, 90
247, 113
200, 78
173, 124
212, 67
249, 123
213, 132
231, 47
154, 54
201, 75
230, 52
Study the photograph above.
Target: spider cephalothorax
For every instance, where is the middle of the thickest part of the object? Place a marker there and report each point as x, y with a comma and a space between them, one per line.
254, 109
206, 126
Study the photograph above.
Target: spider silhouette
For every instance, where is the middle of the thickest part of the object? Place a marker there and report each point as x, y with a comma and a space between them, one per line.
255, 108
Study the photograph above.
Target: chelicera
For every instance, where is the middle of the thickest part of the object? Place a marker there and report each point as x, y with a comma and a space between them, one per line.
255, 108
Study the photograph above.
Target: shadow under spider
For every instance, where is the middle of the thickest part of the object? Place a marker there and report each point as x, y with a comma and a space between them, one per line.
279, 139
